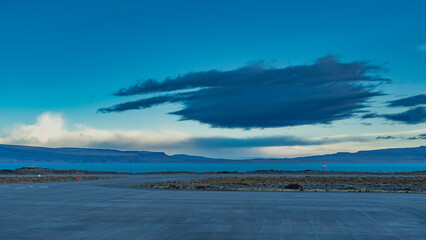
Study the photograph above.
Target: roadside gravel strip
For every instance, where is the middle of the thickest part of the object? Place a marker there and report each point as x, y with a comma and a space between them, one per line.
415, 184
43, 179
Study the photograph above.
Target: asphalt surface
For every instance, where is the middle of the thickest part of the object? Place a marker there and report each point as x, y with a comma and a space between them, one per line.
114, 209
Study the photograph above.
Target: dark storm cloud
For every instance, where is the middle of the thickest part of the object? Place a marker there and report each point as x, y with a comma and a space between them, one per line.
411, 116
258, 96
420, 136
146, 103
416, 114
385, 138
370, 115
409, 101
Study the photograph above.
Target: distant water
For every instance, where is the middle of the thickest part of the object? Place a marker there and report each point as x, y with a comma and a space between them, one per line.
241, 167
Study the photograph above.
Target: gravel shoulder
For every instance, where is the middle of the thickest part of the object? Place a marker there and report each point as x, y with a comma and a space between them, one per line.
413, 184
44, 179
47, 171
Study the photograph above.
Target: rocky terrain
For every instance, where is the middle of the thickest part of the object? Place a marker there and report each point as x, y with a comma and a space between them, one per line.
412, 184
318, 173
48, 171
42, 179
262, 180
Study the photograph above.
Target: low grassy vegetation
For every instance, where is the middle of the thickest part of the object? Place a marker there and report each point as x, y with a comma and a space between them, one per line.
303, 183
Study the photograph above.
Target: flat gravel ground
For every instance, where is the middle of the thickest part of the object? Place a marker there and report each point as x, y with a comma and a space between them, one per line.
43, 179
114, 209
407, 184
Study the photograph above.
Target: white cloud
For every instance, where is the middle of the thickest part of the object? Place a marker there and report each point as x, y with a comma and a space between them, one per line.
51, 131
399, 141
422, 47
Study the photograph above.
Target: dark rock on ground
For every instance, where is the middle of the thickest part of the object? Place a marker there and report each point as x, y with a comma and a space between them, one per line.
305, 183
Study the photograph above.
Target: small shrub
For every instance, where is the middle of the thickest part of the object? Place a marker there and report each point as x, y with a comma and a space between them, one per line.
294, 186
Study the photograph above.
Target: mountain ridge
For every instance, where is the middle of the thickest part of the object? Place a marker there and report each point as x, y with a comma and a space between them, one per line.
33, 154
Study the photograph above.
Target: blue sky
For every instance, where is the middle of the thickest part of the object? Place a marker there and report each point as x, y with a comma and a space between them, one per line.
61, 61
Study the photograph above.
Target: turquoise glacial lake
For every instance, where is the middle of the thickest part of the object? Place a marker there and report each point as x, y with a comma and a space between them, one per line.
241, 167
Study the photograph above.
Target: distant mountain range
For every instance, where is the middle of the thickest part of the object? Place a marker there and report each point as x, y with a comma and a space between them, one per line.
28, 154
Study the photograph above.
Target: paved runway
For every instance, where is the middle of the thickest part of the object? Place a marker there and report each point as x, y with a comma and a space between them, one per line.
110, 209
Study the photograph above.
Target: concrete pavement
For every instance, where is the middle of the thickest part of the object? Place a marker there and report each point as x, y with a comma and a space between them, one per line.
112, 209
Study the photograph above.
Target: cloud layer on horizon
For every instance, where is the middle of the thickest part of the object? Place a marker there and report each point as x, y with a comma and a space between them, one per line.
421, 136
258, 96
50, 130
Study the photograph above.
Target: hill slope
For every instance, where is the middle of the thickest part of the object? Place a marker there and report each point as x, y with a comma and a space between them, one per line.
27, 154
